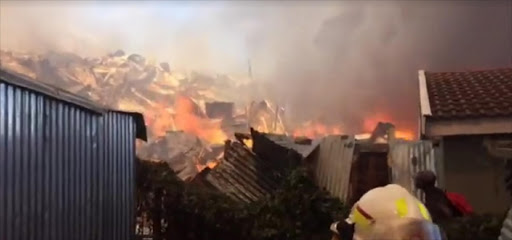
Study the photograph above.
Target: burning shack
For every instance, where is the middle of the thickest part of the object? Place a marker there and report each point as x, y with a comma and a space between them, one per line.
67, 165
469, 115
349, 166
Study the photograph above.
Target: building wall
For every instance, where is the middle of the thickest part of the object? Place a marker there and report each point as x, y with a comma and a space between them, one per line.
332, 165
471, 171
65, 172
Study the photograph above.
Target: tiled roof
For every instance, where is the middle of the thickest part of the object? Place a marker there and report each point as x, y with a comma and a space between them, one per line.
470, 94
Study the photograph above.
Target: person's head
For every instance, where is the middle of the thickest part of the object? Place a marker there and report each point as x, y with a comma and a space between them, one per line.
425, 179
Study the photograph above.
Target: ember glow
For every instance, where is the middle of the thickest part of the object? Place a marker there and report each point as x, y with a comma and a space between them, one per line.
185, 119
316, 130
370, 122
160, 118
211, 164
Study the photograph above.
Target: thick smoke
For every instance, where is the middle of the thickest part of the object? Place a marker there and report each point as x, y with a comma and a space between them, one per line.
369, 55
338, 61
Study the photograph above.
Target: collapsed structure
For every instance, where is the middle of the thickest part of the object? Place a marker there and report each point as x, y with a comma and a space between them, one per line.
193, 105
346, 166
190, 116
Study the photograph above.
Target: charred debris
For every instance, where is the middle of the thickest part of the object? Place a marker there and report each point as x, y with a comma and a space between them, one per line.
248, 173
188, 115
247, 167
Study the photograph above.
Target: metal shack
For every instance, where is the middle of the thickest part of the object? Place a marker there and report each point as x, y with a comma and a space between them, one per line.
349, 166
66, 165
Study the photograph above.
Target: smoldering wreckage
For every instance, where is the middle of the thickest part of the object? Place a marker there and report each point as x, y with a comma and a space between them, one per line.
241, 150
189, 116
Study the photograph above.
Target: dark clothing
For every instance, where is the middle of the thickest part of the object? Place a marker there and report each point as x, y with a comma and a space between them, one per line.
438, 204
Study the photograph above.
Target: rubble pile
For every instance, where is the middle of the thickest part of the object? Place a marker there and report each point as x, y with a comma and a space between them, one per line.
187, 115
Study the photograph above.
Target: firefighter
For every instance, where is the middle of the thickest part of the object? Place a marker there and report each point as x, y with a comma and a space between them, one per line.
388, 212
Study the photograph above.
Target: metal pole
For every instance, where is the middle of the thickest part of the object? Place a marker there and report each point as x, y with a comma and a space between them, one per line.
276, 118
249, 66
510, 22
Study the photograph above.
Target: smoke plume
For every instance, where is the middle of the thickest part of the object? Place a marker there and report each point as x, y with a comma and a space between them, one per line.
338, 61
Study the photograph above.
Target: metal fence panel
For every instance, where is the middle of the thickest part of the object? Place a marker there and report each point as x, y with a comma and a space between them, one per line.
506, 229
65, 172
334, 163
407, 158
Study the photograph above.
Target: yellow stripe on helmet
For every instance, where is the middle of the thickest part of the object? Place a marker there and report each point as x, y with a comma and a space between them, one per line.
401, 207
424, 211
359, 219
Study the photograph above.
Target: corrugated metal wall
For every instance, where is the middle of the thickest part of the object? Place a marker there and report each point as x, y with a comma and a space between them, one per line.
506, 229
334, 163
65, 172
407, 158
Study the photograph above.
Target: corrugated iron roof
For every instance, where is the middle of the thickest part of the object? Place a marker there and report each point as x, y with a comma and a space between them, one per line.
289, 142
241, 175
15, 79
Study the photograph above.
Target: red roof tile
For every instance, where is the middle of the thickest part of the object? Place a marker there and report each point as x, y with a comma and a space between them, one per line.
470, 94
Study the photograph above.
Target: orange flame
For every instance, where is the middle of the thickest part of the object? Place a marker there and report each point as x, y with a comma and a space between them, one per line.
210, 164
316, 130
159, 119
371, 122
186, 120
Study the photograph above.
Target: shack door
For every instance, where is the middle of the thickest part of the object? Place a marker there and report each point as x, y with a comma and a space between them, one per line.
369, 170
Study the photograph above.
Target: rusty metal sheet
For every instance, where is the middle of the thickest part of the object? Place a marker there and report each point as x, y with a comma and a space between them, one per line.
406, 158
334, 163
65, 172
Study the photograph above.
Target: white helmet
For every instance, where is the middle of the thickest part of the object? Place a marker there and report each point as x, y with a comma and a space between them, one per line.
391, 212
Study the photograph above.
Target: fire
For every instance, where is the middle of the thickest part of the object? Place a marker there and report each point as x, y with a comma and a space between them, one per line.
248, 143
315, 130
186, 120
160, 120
210, 165
370, 122
407, 135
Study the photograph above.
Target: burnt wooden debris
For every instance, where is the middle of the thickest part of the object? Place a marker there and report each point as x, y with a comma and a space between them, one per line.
222, 110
